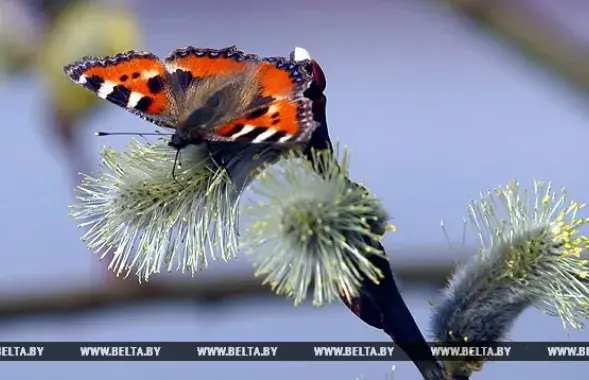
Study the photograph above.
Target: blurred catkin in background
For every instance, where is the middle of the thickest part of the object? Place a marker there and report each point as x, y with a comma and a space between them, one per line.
82, 29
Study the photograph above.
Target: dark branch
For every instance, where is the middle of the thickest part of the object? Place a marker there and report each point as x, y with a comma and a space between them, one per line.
78, 299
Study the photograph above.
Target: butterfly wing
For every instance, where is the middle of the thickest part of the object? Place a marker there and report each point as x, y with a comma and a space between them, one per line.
282, 78
282, 114
137, 81
212, 86
190, 66
275, 112
280, 121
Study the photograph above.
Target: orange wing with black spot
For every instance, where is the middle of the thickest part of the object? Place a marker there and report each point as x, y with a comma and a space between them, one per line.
279, 114
281, 121
136, 81
189, 66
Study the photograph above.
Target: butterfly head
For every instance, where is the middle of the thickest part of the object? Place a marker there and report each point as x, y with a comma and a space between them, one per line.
185, 137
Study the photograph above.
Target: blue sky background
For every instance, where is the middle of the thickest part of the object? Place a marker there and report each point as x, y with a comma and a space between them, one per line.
434, 111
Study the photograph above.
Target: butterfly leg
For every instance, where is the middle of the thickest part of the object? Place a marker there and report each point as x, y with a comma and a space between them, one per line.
176, 164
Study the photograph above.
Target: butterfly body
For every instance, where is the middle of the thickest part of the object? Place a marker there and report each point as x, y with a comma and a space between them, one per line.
206, 94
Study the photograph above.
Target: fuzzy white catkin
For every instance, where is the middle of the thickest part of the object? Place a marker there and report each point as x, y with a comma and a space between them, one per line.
532, 254
306, 228
148, 220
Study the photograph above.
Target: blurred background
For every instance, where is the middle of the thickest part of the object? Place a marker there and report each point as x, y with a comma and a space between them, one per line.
438, 101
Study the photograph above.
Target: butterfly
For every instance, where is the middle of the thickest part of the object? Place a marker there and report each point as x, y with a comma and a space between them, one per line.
212, 95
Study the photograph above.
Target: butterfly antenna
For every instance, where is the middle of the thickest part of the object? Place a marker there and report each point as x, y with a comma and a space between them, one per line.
178, 164
142, 135
445, 233
132, 134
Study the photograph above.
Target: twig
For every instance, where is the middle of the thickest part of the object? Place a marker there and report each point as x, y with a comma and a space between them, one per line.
534, 34
77, 299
